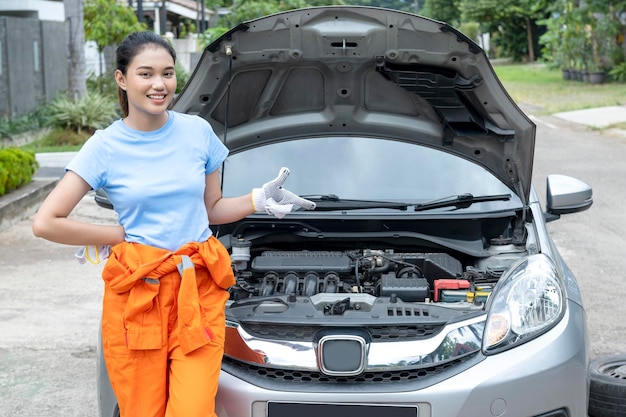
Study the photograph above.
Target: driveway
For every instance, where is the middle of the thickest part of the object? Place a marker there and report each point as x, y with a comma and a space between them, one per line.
49, 318
592, 242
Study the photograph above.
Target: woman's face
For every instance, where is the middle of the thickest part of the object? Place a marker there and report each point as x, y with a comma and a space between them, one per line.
149, 82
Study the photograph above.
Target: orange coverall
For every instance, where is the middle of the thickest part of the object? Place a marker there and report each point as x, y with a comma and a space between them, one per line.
163, 326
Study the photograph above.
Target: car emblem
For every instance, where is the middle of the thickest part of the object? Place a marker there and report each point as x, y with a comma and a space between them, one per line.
342, 355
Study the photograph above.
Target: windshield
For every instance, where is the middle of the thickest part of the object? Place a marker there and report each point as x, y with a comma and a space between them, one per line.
362, 168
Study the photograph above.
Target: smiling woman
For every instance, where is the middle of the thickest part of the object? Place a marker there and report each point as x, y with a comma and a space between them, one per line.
147, 82
163, 360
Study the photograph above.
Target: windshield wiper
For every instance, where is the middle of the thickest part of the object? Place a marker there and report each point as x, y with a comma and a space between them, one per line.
330, 202
459, 201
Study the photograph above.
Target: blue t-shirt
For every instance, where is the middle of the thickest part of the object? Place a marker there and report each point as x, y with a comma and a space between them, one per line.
155, 180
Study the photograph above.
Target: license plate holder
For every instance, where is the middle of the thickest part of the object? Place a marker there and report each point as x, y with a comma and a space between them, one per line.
284, 409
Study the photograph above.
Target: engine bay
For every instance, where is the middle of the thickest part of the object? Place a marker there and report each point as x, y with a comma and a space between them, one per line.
422, 277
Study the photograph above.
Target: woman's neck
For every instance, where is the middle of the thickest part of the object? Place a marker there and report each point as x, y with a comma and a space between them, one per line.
146, 122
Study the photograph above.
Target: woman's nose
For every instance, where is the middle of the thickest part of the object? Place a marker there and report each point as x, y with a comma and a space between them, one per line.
158, 83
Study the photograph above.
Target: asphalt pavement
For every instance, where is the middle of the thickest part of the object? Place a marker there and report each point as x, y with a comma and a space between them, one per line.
600, 117
53, 164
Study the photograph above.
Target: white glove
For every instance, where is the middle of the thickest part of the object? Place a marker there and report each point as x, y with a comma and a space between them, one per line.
275, 200
92, 253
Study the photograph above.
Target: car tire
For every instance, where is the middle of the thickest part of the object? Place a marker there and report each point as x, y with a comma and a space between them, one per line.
607, 387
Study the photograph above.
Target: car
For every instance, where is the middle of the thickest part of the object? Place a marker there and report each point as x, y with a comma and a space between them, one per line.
425, 282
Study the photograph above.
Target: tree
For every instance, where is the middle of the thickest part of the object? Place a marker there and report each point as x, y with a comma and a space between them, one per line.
514, 22
108, 22
413, 6
584, 36
77, 82
244, 10
443, 10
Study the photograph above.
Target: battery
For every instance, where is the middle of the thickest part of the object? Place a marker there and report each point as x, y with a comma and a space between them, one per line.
455, 296
448, 284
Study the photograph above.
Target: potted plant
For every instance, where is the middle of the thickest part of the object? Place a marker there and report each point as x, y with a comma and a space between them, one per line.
574, 41
602, 34
555, 47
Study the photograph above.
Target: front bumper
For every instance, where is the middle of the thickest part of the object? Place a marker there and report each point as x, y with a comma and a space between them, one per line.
536, 378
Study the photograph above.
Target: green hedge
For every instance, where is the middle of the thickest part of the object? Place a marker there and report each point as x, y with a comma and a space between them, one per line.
17, 168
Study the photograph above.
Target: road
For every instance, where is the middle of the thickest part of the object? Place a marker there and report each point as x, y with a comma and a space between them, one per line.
49, 317
592, 242
50, 305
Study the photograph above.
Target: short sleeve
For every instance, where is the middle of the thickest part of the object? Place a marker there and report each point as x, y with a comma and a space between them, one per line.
90, 162
217, 152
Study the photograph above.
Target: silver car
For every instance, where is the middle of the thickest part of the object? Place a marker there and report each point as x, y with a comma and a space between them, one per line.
425, 282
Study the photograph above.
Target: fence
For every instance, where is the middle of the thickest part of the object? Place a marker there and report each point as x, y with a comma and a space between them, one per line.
33, 63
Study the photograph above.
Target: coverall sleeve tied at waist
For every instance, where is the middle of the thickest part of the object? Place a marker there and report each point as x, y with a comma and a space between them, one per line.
137, 269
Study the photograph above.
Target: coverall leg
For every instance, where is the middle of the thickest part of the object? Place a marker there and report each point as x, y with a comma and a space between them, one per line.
165, 382
193, 381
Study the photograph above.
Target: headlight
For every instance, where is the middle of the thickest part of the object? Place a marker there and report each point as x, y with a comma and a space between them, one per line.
528, 300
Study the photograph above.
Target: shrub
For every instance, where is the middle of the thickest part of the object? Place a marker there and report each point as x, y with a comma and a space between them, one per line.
10, 127
59, 140
618, 72
17, 168
4, 176
104, 85
90, 112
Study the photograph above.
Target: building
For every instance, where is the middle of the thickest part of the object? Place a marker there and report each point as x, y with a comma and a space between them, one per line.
177, 17
47, 10
33, 54
33, 45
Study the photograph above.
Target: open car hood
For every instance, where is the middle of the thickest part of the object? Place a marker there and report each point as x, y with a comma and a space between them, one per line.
346, 70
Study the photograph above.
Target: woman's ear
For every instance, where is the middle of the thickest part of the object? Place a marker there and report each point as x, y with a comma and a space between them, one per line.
120, 79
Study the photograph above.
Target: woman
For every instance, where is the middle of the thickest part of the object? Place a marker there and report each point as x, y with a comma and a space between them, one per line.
166, 276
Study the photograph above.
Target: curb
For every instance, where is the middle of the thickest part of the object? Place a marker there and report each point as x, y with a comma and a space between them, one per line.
21, 203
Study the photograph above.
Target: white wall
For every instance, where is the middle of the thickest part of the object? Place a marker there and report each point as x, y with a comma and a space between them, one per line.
92, 62
44, 9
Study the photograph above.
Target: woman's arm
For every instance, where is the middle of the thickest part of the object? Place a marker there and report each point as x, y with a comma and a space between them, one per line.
52, 223
224, 210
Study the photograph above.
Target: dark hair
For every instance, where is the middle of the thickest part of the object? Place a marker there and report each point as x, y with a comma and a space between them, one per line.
131, 46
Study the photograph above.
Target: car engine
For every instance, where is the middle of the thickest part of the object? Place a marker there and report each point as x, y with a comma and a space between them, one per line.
411, 277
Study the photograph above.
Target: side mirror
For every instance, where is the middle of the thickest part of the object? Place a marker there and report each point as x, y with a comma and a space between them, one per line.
566, 195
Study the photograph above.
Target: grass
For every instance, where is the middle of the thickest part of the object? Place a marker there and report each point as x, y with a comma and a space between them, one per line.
58, 140
548, 92
37, 148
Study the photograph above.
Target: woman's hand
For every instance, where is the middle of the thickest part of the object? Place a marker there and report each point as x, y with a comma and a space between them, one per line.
276, 200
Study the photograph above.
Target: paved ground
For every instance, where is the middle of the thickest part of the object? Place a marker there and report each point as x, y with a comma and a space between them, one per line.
598, 117
49, 318
52, 164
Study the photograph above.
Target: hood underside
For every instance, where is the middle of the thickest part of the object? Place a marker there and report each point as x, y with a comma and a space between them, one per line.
346, 70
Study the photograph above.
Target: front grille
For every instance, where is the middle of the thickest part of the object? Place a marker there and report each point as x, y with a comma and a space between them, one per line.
246, 370
302, 333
